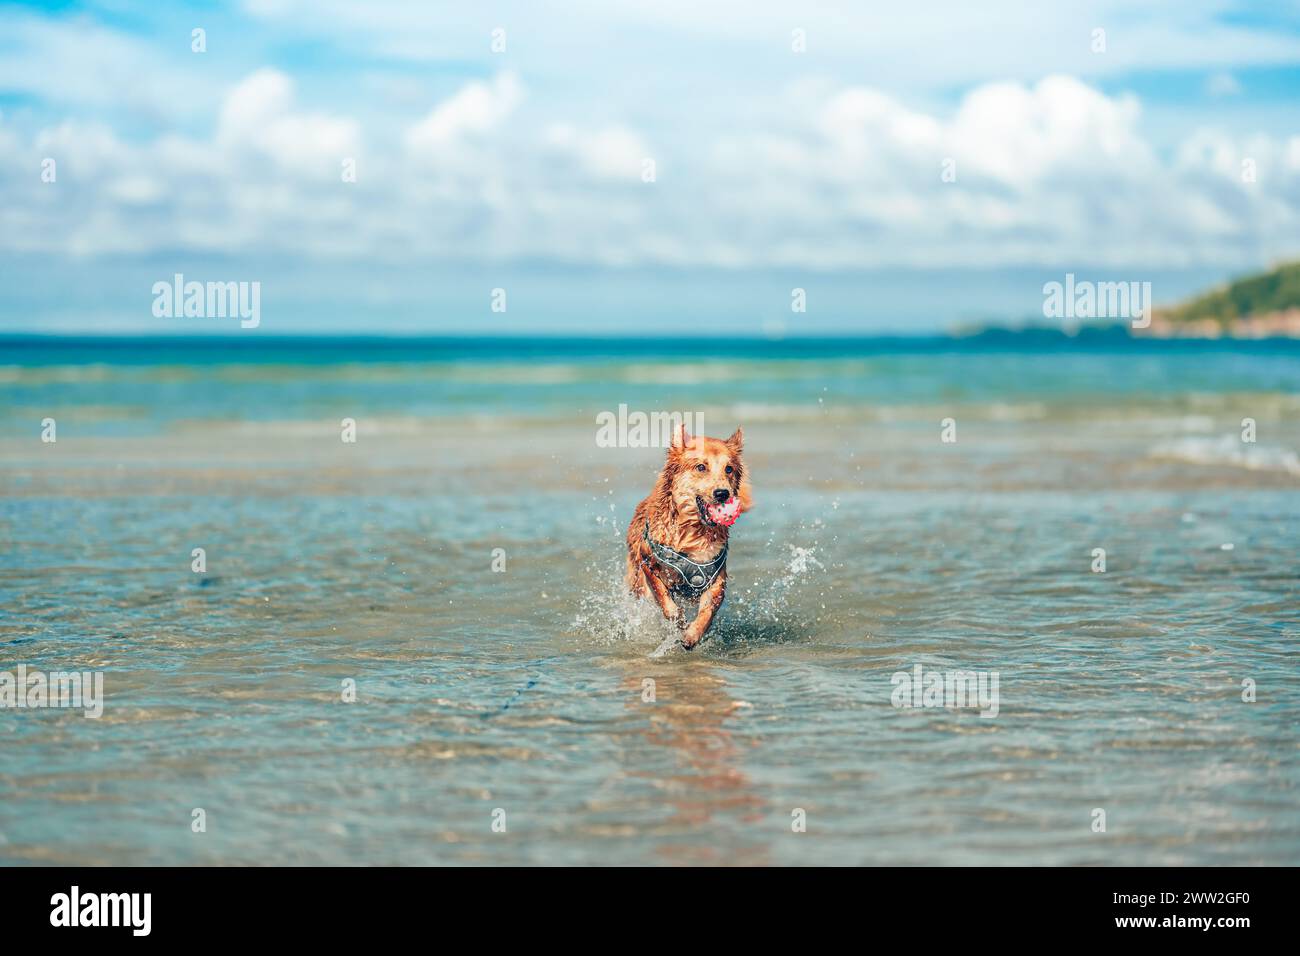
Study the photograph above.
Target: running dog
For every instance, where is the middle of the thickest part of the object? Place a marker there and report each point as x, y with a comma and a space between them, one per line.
677, 542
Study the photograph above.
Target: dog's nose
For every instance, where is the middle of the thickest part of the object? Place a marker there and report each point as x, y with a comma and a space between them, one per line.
722, 495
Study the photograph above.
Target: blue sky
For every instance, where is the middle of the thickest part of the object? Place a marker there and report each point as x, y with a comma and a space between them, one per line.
1117, 155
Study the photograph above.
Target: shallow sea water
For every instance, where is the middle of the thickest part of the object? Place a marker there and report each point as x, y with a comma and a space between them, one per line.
873, 547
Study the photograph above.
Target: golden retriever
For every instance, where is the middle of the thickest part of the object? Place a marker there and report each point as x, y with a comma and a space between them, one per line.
677, 542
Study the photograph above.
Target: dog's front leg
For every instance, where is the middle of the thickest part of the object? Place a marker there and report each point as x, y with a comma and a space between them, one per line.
666, 602
710, 601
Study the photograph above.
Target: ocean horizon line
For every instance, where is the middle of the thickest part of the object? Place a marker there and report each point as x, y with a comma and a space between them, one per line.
86, 347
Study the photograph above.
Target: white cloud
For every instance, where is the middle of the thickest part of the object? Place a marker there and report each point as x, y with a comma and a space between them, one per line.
611, 152
78, 63
1222, 84
1019, 134
933, 45
259, 116
475, 110
822, 178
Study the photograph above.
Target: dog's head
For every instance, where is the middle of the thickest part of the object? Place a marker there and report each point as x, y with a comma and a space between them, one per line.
706, 473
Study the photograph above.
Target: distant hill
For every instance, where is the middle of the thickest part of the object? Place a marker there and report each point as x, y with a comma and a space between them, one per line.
1258, 306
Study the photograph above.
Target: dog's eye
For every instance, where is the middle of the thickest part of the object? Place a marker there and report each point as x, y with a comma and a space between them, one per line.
701, 467
730, 469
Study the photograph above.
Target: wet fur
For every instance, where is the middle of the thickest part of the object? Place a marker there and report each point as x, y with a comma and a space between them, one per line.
675, 521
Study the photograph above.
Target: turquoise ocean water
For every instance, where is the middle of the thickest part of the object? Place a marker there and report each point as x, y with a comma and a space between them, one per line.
524, 693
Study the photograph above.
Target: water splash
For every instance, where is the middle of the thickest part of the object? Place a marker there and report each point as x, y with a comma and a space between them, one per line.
769, 600
758, 612
609, 614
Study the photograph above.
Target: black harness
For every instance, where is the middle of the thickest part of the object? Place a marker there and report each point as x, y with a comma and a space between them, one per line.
696, 577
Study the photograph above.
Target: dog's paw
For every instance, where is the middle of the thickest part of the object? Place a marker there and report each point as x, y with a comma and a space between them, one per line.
689, 639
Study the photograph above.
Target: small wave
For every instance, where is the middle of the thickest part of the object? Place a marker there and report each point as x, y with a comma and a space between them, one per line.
700, 372
31, 376
752, 412
1229, 451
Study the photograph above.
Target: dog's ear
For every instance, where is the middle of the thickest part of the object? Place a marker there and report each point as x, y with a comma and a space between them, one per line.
737, 440
681, 438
